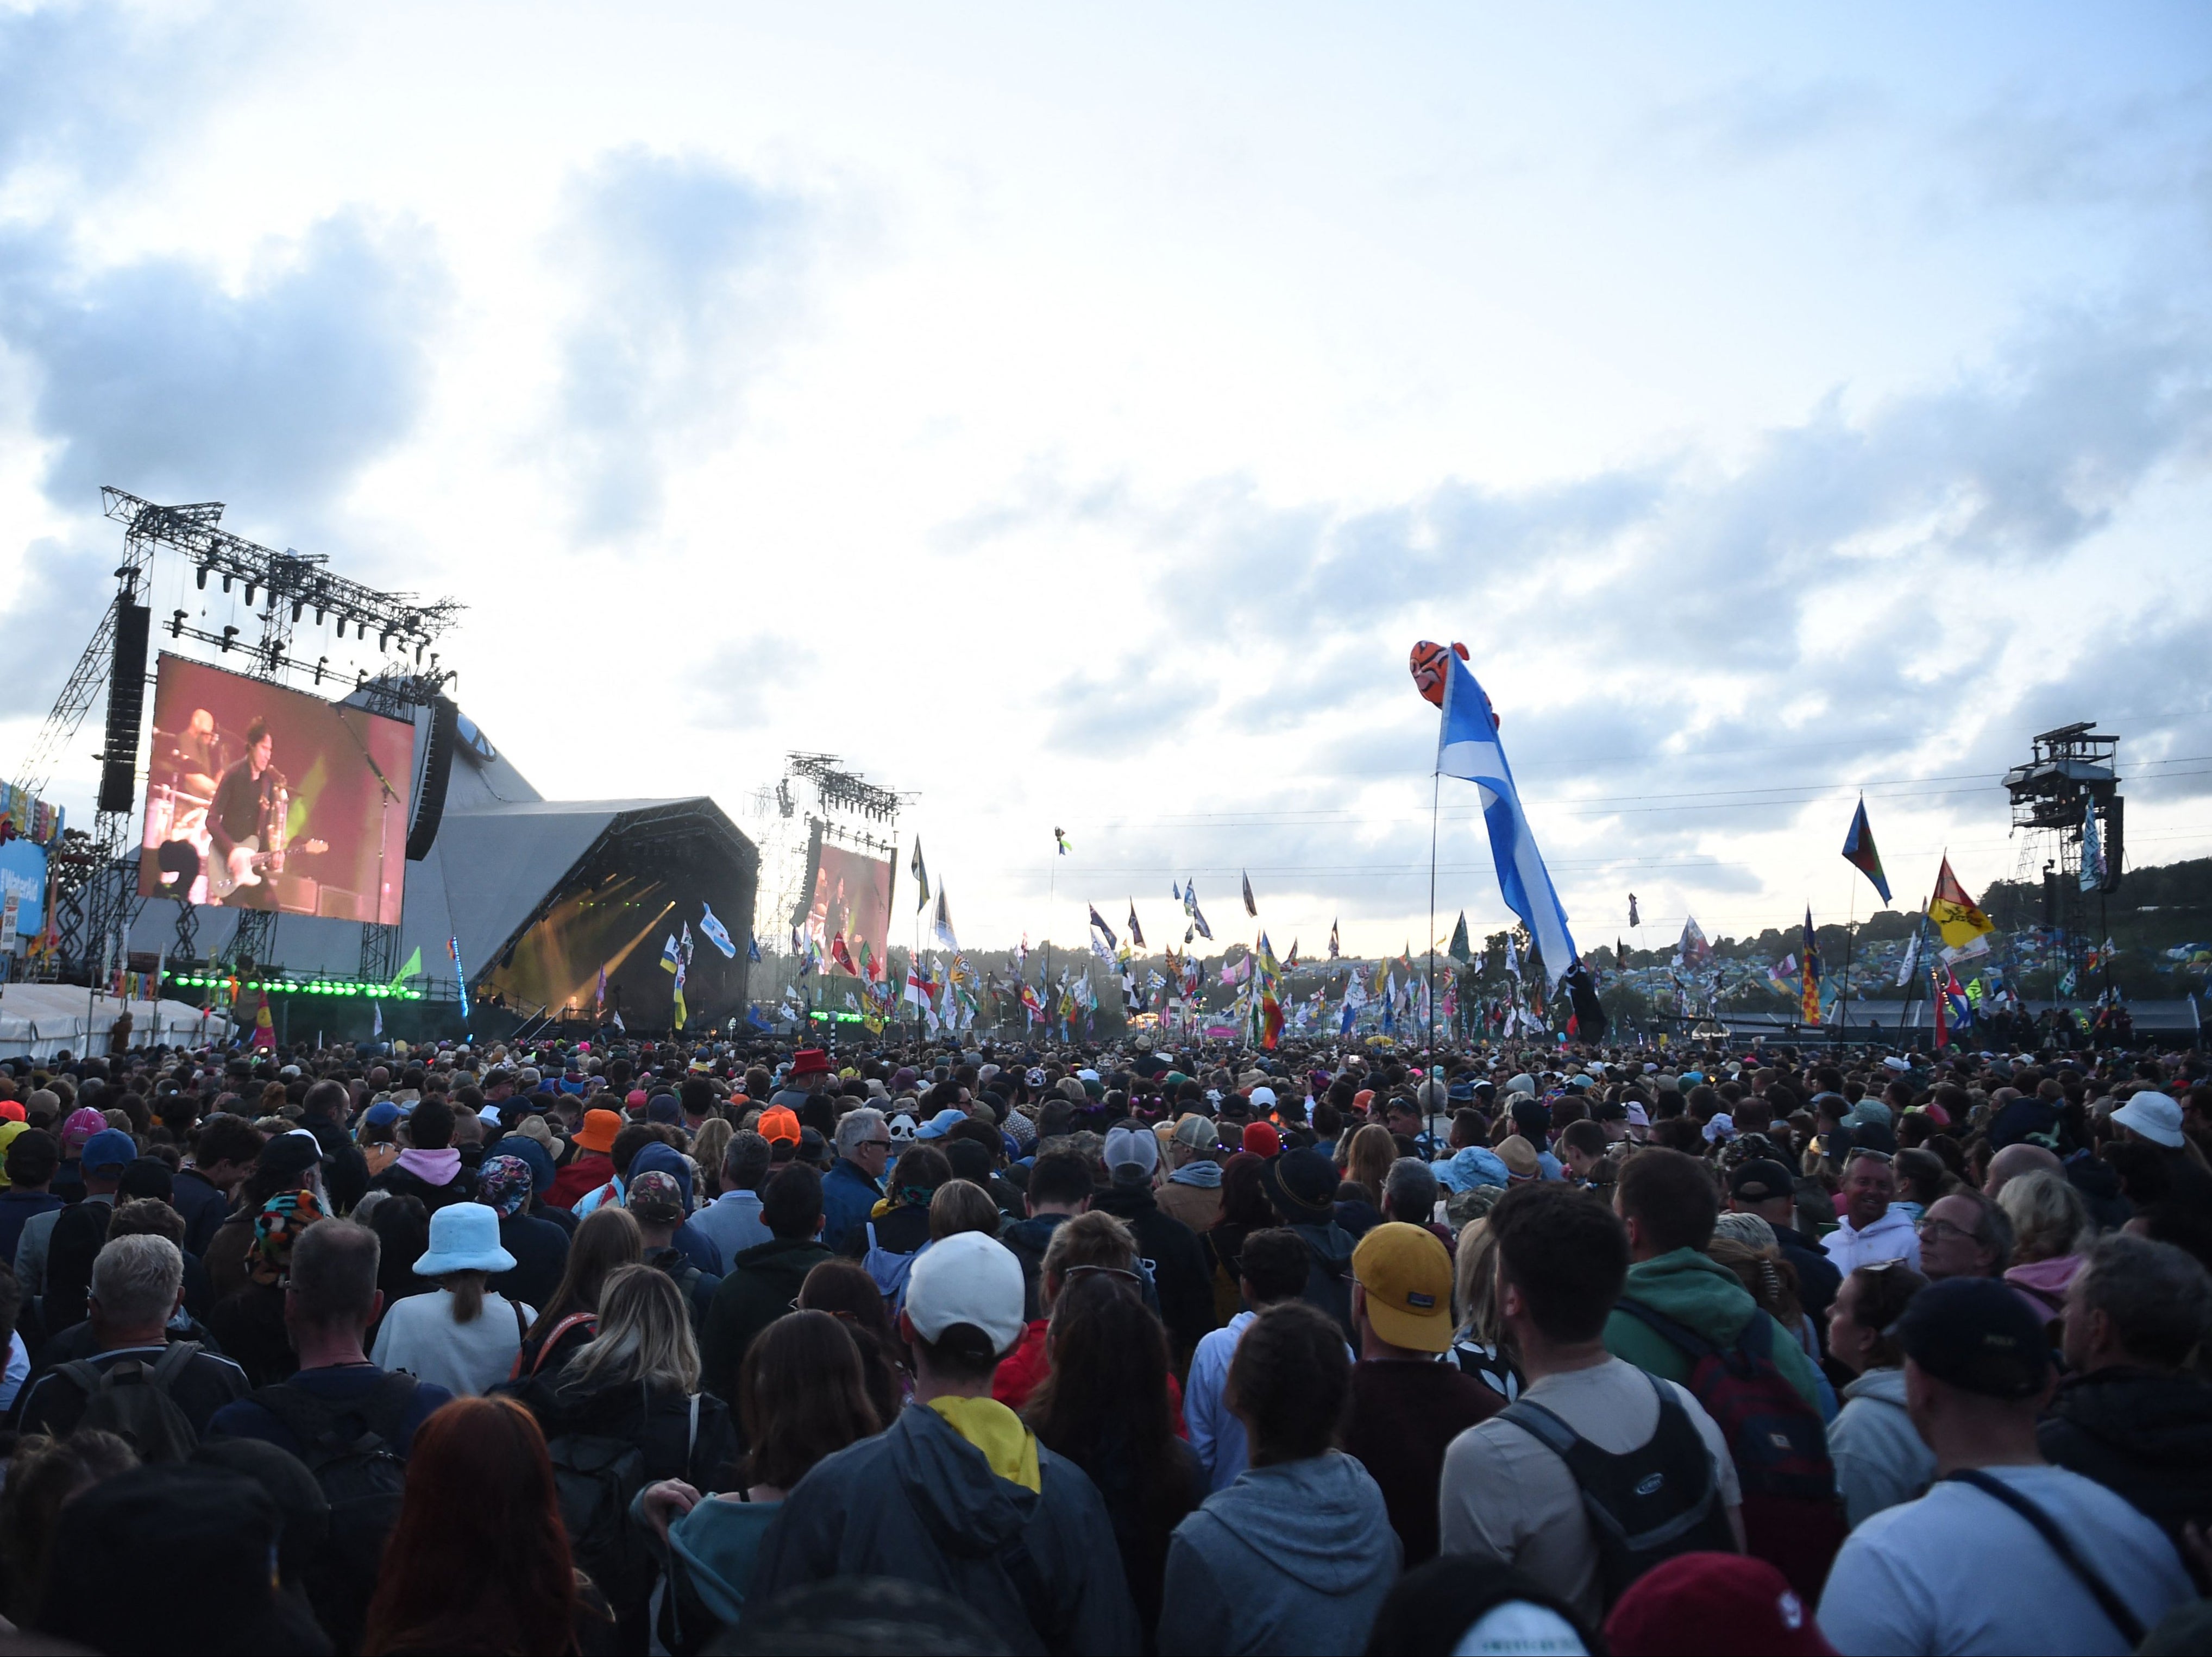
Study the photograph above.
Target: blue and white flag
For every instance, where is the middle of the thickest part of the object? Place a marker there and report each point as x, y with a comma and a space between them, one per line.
2093, 850
752, 947
717, 934
671, 958
1467, 747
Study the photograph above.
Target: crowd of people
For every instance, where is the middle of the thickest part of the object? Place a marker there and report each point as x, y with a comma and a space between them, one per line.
681, 1347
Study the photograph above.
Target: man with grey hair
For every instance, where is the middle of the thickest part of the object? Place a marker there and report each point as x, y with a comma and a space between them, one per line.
2125, 1415
330, 1300
854, 1184
1409, 1194
733, 1219
137, 1282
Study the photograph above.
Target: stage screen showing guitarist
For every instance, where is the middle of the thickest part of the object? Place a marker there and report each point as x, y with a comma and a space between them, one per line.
259, 796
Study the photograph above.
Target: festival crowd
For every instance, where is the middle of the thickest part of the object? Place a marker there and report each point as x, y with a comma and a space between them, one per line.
1010, 1347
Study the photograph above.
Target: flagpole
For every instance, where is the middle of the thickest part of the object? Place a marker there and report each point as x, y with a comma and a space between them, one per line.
1435, 793
1843, 1001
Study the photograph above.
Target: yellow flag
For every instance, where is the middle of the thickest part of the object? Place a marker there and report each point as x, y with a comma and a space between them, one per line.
1956, 915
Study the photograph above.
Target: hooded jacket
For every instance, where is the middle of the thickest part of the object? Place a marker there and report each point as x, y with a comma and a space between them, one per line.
1180, 1272
2141, 1434
849, 1197
1702, 1295
760, 1289
919, 1502
1881, 1458
1328, 1277
1294, 1557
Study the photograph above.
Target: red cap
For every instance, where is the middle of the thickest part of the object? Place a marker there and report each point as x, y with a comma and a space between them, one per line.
1714, 1605
10, 1111
1262, 1139
780, 1122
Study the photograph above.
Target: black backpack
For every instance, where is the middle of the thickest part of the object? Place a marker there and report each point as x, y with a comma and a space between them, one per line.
596, 1478
353, 1451
1645, 1506
131, 1399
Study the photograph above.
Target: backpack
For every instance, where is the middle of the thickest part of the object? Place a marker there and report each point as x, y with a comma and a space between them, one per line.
131, 1399
350, 1448
890, 1269
1645, 1506
596, 1478
1792, 1516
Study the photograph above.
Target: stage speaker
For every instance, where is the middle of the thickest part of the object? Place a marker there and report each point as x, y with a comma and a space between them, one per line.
332, 903
126, 707
2115, 841
437, 771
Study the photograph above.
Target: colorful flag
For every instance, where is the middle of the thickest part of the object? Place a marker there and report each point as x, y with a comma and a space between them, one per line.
1694, 950
600, 995
841, 954
1059, 838
1099, 921
1809, 1003
1783, 974
1334, 952
1250, 908
717, 934
1461, 950
265, 1028
1964, 928
1859, 851
920, 871
1136, 932
1198, 921
671, 957
940, 926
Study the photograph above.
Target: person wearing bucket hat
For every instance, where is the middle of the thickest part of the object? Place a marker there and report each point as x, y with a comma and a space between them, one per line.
505, 1185
590, 1166
2081, 1569
1406, 1408
1301, 1186
465, 1337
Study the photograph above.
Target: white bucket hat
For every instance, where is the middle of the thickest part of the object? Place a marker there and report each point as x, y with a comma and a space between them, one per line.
464, 1237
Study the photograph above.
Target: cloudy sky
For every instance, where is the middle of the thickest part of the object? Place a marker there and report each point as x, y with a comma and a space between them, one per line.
1075, 417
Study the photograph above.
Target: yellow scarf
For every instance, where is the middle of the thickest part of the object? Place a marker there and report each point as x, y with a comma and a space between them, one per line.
996, 1431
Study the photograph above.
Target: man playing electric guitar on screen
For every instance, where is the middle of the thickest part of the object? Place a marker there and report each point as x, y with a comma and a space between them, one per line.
246, 827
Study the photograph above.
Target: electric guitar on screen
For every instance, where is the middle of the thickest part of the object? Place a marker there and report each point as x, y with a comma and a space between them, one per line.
247, 863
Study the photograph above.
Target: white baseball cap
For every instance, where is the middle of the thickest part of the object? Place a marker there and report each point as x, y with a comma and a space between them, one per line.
1263, 1098
971, 1279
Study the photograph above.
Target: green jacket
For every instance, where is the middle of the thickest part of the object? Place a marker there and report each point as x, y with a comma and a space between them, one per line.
1704, 1296
764, 1281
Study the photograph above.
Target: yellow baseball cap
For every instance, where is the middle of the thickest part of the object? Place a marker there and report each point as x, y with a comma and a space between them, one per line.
1407, 1274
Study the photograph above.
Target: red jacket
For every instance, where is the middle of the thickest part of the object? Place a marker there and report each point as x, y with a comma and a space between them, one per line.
589, 1171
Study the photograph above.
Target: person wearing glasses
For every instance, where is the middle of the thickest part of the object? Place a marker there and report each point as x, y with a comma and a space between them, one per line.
1964, 1235
1873, 1229
854, 1184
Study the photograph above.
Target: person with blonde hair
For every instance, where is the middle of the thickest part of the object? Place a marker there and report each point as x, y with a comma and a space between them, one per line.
637, 1383
2051, 1232
961, 1205
1480, 1348
1083, 1243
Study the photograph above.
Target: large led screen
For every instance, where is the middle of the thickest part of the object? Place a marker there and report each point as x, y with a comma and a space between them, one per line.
852, 896
262, 798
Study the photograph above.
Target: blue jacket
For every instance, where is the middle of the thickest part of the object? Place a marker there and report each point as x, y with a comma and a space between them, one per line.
849, 1196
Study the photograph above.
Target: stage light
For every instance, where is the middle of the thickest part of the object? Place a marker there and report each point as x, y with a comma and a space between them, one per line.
363, 633
250, 589
201, 578
320, 613
177, 625
384, 639
229, 634
299, 607
226, 580
319, 661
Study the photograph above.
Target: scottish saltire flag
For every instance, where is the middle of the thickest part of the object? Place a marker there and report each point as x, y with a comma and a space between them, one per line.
1859, 851
1198, 920
752, 947
1467, 747
717, 934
